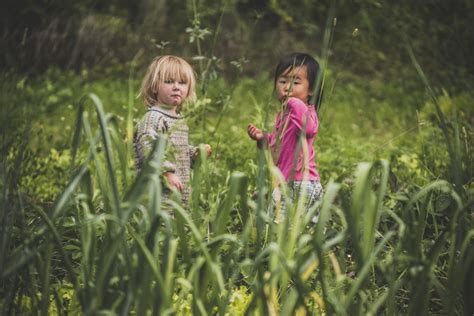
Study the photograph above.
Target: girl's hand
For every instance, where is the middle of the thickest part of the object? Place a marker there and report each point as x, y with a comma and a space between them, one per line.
208, 149
254, 132
173, 181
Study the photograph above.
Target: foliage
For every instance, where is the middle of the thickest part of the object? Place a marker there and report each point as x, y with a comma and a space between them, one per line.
86, 33
391, 237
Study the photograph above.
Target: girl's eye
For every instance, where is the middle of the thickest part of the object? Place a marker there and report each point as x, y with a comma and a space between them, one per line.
169, 81
282, 81
182, 82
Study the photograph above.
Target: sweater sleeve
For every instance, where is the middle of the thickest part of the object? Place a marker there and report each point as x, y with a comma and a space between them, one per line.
302, 116
193, 152
270, 138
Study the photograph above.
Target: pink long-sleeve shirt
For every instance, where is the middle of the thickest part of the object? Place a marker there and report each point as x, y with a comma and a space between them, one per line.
283, 141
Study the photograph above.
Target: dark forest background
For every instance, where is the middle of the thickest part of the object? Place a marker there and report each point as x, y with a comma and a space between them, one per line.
369, 36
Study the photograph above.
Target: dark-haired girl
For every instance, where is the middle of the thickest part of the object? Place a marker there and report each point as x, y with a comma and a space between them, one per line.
291, 142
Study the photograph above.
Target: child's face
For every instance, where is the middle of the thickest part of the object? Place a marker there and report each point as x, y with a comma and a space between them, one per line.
293, 83
173, 91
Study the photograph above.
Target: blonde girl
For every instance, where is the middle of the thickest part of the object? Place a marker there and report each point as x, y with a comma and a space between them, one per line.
169, 83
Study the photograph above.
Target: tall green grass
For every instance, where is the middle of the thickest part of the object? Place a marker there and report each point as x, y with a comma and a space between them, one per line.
110, 246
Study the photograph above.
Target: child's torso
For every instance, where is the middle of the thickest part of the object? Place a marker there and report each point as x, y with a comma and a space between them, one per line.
157, 122
292, 149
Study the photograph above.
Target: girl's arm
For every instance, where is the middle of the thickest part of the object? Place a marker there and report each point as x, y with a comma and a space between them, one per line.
173, 180
302, 116
263, 138
194, 151
254, 132
258, 135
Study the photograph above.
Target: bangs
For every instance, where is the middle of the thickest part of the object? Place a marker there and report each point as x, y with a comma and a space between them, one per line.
175, 70
288, 70
288, 65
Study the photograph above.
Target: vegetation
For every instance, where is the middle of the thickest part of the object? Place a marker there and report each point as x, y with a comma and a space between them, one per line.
83, 233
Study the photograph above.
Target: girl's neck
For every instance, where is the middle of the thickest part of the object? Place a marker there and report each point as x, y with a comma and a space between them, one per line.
284, 103
169, 108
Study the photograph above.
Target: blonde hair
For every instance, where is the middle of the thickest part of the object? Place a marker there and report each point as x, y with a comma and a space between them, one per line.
163, 68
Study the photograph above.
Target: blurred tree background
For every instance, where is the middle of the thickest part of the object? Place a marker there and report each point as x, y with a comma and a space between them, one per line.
369, 35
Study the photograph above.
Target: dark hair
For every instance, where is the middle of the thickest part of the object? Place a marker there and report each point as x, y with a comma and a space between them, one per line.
294, 60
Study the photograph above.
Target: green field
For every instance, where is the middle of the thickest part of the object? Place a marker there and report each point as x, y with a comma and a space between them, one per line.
81, 232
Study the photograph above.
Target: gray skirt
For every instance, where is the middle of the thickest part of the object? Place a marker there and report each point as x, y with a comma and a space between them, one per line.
310, 191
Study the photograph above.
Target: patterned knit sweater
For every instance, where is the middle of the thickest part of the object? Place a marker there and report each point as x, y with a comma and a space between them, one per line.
179, 153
